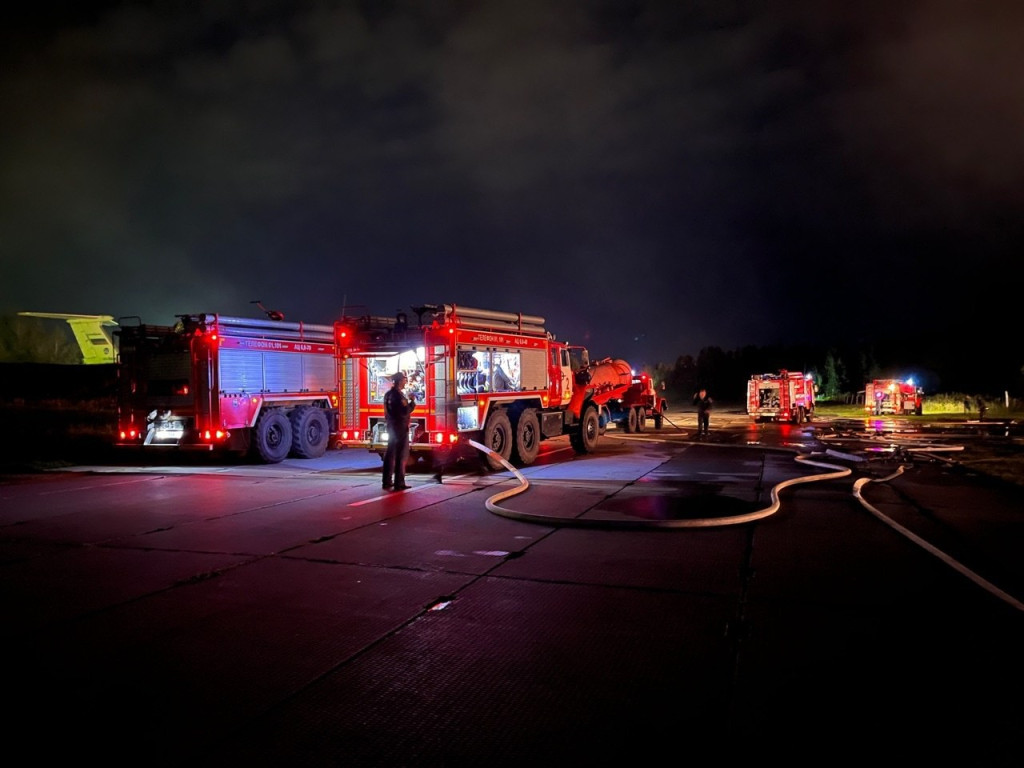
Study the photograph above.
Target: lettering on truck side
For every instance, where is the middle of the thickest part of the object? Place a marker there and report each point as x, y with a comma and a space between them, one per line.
276, 346
495, 338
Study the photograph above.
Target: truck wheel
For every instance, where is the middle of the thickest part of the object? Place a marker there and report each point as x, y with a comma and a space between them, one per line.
310, 432
658, 420
630, 422
498, 437
527, 444
641, 419
798, 415
273, 437
585, 441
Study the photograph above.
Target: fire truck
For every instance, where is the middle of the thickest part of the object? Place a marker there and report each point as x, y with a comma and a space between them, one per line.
240, 385
639, 402
497, 378
785, 396
892, 396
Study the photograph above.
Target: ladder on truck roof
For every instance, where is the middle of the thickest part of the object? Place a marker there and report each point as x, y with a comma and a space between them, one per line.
375, 334
260, 328
483, 319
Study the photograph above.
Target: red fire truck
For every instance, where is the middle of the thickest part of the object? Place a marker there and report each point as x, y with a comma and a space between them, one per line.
238, 384
498, 378
892, 396
783, 396
639, 403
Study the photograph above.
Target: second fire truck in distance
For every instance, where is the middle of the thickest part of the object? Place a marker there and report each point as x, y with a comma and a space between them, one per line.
637, 403
783, 396
892, 396
498, 378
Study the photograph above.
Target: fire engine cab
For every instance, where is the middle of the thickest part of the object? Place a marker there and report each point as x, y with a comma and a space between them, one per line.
498, 378
892, 396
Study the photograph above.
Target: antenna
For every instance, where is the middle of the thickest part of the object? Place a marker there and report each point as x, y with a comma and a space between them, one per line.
273, 314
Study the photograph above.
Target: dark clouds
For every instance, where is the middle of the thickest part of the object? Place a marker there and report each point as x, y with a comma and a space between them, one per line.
652, 177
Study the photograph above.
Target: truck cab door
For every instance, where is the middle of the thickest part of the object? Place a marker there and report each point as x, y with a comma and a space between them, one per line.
560, 367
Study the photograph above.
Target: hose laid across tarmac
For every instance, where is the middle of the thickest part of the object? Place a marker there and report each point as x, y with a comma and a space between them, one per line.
710, 522
951, 562
707, 522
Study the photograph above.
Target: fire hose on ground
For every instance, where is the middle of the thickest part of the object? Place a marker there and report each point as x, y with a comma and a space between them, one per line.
835, 473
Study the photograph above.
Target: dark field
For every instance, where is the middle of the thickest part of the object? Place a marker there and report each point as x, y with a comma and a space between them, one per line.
55, 415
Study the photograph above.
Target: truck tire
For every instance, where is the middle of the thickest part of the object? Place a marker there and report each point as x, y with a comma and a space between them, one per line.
272, 436
310, 432
641, 419
658, 418
798, 415
585, 440
630, 422
527, 443
498, 438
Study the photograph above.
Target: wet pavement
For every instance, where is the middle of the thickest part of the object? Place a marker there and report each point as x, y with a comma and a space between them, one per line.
296, 615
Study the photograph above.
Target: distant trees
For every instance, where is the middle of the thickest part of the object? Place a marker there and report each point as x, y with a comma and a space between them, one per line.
30, 340
842, 370
833, 382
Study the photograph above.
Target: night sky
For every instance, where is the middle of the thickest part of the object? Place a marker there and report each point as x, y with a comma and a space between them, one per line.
651, 177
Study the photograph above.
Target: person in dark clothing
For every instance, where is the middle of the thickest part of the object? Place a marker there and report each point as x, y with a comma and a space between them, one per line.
703, 402
397, 410
982, 407
441, 457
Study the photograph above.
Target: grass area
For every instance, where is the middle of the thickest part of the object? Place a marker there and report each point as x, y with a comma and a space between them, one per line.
942, 405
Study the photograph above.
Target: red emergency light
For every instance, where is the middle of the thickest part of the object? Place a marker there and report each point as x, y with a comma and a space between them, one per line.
344, 336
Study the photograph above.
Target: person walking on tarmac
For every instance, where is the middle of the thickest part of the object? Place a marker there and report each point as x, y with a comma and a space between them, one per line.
397, 410
703, 402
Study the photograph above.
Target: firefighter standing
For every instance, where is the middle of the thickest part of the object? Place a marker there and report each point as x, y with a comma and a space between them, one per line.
703, 402
397, 410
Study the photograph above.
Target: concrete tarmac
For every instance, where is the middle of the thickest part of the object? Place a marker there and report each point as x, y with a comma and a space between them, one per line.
296, 615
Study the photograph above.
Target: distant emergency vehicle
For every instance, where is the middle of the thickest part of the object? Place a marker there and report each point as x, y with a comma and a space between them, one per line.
893, 396
782, 396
